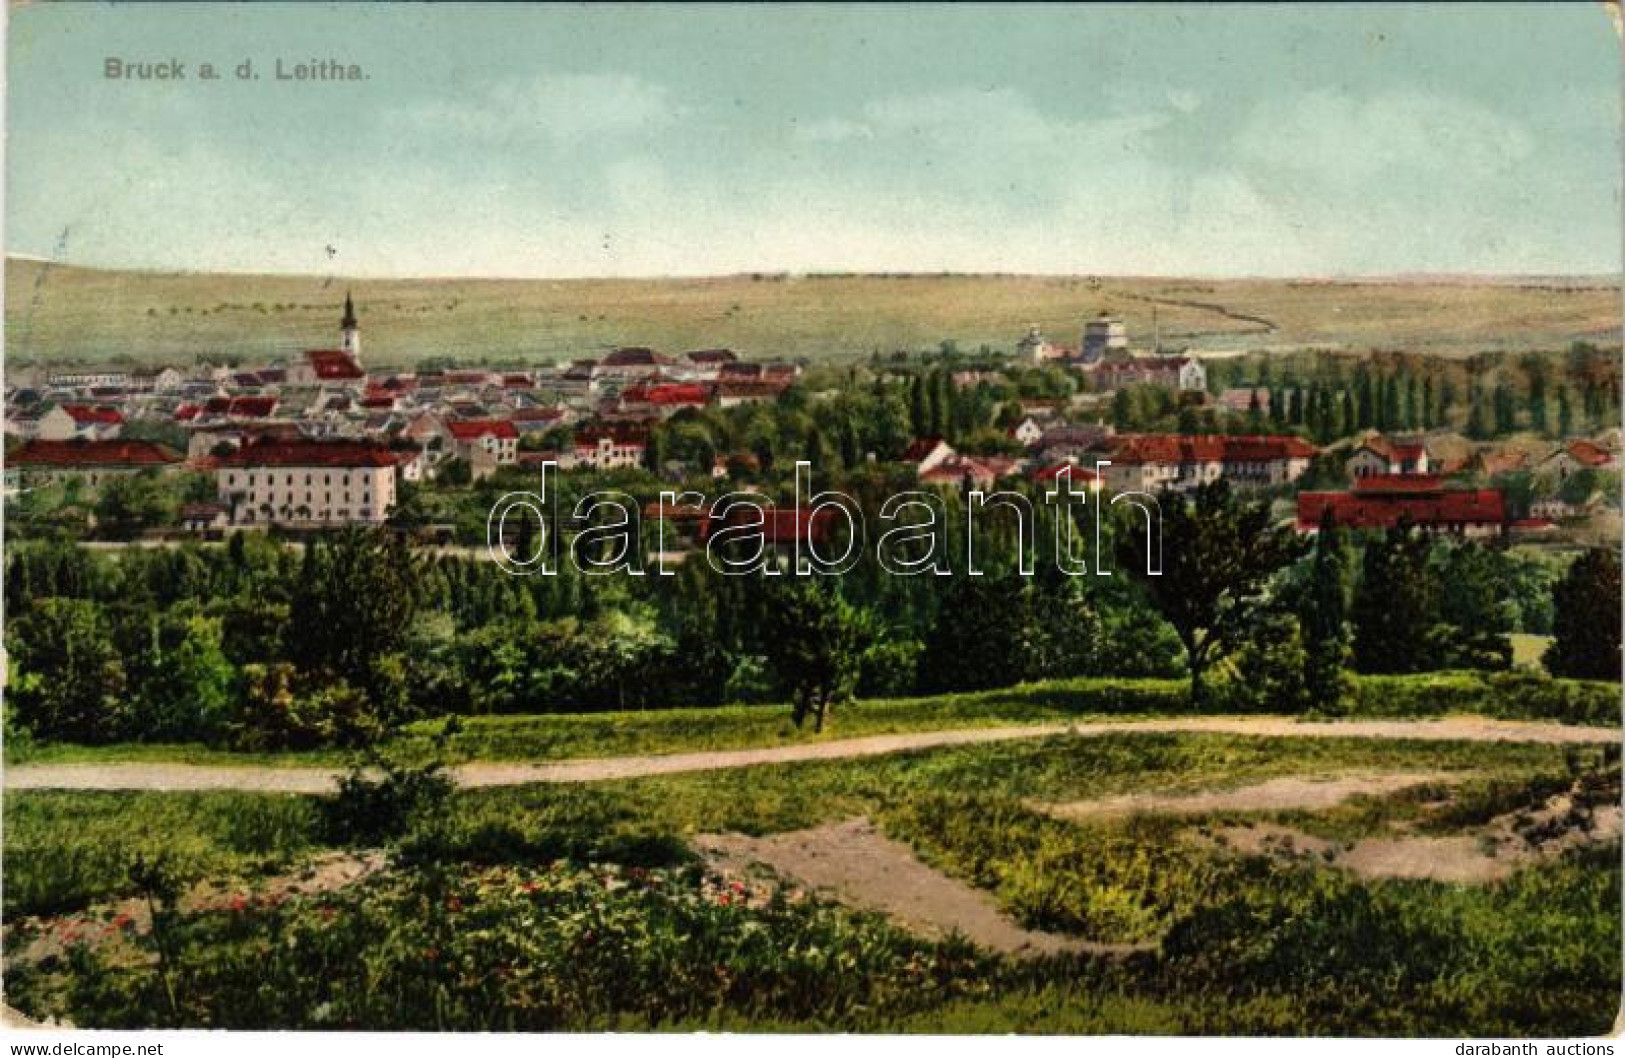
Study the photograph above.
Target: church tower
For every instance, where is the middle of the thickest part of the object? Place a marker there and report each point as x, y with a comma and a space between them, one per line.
352, 330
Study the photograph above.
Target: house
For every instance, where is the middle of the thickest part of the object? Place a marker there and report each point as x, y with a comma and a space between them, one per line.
496, 438
89, 462
217, 408
202, 517
538, 420
1555, 508
326, 367
88, 379
1027, 432
632, 363
1382, 501
1575, 456
733, 392
928, 453
307, 483
1035, 347
65, 421
1050, 474
663, 399
1147, 462
1249, 399
1377, 455
959, 471
610, 446
1065, 441
780, 526
1170, 372
164, 380
707, 363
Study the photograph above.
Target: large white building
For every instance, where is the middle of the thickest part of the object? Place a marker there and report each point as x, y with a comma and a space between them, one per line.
308, 483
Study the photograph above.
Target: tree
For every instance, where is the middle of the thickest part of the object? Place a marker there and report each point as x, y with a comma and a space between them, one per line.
815, 641
129, 503
70, 680
1218, 554
351, 608
1323, 616
1396, 604
1474, 609
1586, 622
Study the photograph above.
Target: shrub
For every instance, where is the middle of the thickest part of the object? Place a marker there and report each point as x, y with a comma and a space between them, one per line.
1509, 695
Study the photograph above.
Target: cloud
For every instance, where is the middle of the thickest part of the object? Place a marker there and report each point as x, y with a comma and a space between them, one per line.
559, 106
1347, 138
967, 118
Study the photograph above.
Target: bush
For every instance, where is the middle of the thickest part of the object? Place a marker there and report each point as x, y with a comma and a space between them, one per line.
1509, 695
278, 713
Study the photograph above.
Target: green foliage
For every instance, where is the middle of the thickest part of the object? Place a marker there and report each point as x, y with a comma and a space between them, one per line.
815, 642
383, 795
70, 680
1396, 605
1323, 617
504, 949
1587, 625
1214, 556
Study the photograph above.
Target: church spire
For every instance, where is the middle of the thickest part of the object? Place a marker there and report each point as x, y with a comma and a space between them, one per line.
352, 330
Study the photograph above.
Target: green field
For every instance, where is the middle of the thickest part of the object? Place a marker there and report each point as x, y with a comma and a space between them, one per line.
60, 314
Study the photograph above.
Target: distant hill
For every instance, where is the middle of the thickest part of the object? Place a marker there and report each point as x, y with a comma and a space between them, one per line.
61, 313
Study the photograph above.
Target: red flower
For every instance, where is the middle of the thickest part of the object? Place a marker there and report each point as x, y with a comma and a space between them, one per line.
454, 904
431, 954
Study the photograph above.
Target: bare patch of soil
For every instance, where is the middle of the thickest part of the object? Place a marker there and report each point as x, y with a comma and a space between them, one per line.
1488, 854
1293, 792
855, 863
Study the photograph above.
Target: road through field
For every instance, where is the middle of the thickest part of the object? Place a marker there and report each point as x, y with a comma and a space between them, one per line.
162, 776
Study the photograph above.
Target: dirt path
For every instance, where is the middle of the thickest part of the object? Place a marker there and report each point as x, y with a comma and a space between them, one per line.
857, 864
156, 776
1292, 792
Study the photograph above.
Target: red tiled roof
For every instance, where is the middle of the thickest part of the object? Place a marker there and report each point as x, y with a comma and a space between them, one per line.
187, 412
241, 407
668, 393
333, 365
921, 448
85, 415
83, 453
1590, 454
1209, 448
517, 382
780, 525
310, 454
1046, 474
1381, 510
474, 429
1406, 483
618, 435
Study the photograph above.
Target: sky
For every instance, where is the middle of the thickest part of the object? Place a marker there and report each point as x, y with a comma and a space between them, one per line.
559, 141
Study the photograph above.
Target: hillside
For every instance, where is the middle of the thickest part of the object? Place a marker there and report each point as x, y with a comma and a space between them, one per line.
63, 314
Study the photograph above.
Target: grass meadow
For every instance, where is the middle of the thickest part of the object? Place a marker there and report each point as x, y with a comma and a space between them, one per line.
59, 314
